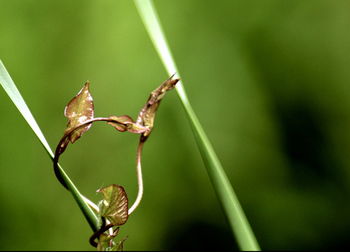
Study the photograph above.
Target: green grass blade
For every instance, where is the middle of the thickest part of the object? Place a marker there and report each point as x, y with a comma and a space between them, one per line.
238, 221
12, 91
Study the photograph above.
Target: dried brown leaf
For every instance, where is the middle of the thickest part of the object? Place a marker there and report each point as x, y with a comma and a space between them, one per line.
148, 112
121, 122
79, 110
126, 123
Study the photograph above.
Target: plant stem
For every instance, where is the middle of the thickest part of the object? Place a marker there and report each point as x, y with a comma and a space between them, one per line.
63, 180
89, 214
139, 178
239, 223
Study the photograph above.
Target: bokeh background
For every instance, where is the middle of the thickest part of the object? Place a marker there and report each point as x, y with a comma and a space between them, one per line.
269, 80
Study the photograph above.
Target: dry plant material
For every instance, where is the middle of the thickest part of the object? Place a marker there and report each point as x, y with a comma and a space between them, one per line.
113, 208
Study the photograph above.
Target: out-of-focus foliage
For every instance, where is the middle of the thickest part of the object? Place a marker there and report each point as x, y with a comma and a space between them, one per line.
268, 79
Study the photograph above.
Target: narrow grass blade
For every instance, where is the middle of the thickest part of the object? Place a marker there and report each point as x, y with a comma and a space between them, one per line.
239, 223
12, 91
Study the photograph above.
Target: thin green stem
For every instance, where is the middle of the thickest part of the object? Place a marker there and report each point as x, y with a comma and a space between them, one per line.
139, 178
238, 221
88, 212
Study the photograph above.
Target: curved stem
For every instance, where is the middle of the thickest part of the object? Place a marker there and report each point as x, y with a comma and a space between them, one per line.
138, 161
63, 144
99, 232
89, 214
139, 178
87, 122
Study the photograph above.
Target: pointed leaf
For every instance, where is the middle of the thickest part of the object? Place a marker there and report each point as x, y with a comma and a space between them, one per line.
239, 224
16, 97
11, 89
79, 110
114, 206
148, 112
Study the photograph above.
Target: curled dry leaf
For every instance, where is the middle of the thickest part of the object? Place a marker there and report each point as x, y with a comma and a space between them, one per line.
148, 112
114, 206
137, 128
121, 122
79, 110
126, 123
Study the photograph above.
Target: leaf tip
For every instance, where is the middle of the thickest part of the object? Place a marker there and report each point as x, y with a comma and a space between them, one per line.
87, 84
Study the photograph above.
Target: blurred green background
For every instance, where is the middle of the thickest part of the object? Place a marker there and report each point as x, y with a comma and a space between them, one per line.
269, 80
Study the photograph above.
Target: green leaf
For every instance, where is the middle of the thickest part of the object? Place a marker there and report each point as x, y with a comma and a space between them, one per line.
79, 110
17, 99
239, 223
114, 206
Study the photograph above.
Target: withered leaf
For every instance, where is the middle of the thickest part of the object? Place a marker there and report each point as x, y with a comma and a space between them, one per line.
148, 112
79, 110
121, 122
149, 115
137, 128
126, 123
114, 206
